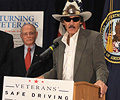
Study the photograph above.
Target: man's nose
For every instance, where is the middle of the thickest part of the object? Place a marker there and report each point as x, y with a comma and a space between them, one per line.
28, 35
71, 22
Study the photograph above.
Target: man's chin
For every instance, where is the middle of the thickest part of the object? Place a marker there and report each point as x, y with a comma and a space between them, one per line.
72, 31
29, 44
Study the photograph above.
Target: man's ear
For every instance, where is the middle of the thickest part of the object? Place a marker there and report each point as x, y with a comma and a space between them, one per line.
36, 34
21, 35
81, 23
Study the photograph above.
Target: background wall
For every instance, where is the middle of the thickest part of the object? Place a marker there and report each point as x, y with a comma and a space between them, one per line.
54, 6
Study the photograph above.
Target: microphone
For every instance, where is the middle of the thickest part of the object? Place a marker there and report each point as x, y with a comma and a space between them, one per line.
49, 50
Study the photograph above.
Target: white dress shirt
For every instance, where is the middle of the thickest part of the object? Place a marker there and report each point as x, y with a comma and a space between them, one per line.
31, 51
69, 56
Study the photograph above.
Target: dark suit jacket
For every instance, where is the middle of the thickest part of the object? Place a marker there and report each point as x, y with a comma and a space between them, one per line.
15, 65
6, 44
89, 62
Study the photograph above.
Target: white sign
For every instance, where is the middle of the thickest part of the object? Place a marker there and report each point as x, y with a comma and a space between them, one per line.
18, 88
12, 21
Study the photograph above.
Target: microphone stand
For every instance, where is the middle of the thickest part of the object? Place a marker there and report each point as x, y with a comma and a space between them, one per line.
30, 70
33, 66
43, 56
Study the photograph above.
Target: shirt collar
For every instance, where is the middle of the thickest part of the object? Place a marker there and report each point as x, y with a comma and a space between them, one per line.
32, 47
74, 37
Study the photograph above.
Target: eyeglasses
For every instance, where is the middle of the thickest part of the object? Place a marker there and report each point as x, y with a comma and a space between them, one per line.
31, 34
75, 19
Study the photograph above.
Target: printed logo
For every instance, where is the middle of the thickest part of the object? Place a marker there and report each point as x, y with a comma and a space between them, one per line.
110, 30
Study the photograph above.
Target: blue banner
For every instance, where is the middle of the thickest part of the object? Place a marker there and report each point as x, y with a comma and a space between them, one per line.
110, 30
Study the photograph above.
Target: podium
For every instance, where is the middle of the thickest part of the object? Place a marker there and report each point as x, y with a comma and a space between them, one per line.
86, 91
22, 88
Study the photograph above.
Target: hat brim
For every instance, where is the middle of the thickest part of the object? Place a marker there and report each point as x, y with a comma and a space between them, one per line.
86, 15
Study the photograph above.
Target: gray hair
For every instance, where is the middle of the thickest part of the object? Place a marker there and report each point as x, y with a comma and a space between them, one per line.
27, 24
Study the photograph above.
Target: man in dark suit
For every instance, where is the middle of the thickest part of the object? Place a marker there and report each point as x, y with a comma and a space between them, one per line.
6, 44
16, 65
80, 55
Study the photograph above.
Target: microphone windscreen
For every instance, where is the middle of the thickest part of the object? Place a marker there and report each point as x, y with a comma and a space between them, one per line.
55, 45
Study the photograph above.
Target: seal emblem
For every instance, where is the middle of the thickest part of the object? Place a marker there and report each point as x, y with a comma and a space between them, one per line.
110, 30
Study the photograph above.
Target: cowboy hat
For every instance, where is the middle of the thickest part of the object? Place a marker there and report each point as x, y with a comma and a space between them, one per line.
72, 9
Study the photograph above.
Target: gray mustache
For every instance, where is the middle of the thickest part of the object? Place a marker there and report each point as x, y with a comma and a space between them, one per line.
71, 26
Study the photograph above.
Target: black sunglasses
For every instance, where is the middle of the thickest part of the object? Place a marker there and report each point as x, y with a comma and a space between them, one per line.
75, 19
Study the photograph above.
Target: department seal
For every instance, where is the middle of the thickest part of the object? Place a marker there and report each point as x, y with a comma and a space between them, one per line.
110, 30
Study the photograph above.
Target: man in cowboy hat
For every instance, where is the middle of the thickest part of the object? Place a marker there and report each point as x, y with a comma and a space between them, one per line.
80, 55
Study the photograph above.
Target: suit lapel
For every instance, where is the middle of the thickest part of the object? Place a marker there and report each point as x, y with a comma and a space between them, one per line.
81, 44
61, 59
36, 54
21, 56
1, 43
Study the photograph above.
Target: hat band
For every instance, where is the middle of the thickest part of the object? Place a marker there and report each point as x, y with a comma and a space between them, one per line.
68, 13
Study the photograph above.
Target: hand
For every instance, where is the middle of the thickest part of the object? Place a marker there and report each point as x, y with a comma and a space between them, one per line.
41, 77
103, 87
